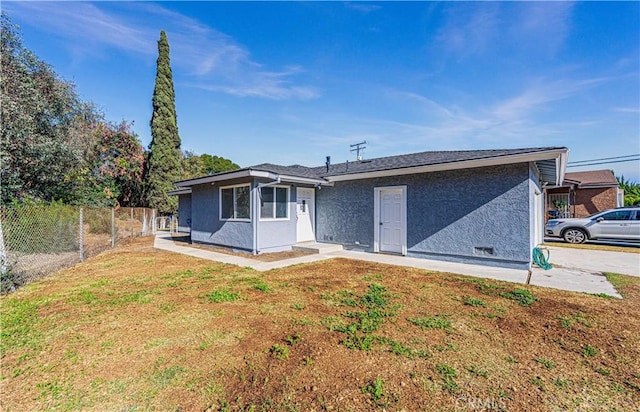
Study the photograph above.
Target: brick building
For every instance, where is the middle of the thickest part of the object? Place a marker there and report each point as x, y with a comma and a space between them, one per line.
584, 193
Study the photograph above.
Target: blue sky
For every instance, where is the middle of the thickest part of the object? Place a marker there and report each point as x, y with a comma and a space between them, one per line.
288, 83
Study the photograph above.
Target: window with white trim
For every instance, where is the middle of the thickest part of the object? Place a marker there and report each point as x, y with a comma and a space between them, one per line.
274, 202
235, 202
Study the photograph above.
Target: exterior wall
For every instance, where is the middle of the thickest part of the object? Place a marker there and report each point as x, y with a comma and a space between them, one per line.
590, 201
278, 235
206, 226
449, 214
537, 208
184, 213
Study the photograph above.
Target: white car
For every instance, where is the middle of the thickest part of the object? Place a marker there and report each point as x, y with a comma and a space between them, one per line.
620, 223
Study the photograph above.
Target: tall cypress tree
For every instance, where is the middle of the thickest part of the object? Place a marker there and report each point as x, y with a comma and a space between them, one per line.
164, 164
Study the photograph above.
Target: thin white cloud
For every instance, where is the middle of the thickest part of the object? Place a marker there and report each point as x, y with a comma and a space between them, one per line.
541, 93
84, 23
514, 119
541, 26
428, 105
208, 58
469, 29
475, 29
362, 7
633, 110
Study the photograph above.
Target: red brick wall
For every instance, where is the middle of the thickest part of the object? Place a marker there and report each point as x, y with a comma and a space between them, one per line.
590, 201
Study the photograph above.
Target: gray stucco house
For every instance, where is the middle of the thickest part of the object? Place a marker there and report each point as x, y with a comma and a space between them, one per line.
477, 206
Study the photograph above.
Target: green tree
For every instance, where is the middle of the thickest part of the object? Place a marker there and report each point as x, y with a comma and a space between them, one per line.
113, 175
194, 165
45, 126
216, 164
164, 164
631, 191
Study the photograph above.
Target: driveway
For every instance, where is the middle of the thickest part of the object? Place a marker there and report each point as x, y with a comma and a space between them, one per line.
595, 260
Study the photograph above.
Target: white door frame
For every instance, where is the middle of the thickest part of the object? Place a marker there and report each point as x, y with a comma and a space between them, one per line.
311, 213
377, 191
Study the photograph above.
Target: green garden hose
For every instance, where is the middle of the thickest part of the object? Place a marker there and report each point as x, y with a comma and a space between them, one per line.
540, 259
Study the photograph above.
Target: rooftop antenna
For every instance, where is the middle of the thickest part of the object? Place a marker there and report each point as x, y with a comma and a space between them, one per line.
358, 147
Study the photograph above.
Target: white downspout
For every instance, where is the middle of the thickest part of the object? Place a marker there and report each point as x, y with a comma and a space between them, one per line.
256, 211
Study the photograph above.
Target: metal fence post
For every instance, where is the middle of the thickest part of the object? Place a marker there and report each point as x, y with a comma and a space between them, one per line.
81, 242
144, 222
113, 228
131, 222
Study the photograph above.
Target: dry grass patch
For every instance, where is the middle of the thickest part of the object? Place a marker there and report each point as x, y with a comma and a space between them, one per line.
593, 246
138, 329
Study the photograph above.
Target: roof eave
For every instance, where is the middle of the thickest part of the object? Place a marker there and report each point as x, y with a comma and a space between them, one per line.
244, 173
176, 192
238, 174
304, 180
598, 185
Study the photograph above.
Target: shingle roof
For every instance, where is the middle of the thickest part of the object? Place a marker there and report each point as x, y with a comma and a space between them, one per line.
592, 178
382, 164
421, 159
293, 170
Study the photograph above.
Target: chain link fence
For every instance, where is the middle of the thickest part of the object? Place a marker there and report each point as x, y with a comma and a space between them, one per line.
36, 240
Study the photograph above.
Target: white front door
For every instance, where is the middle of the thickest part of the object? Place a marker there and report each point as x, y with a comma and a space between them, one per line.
391, 219
305, 214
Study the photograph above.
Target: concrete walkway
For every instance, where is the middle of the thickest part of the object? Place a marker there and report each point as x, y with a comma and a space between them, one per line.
565, 277
596, 260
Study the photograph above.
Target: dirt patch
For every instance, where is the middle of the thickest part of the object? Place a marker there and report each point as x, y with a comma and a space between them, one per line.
263, 257
140, 328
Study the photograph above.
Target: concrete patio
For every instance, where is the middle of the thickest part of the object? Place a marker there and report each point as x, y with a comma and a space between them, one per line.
574, 269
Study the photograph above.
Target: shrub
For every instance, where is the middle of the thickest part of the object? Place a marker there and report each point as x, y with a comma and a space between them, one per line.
10, 280
41, 228
98, 220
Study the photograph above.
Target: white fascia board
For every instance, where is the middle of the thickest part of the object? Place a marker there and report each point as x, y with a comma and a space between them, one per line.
597, 186
304, 180
466, 164
176, 192
561, 166
213, 178
261, 173
226, 176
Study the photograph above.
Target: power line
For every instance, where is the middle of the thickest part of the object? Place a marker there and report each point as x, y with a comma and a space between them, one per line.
604, 158
603, 163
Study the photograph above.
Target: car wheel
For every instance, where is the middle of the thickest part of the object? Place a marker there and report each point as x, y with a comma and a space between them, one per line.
575, 236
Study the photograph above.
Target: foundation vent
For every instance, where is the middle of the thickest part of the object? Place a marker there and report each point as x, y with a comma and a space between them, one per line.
483, 251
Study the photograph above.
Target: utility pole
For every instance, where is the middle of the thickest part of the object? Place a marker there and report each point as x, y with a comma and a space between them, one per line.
358, 147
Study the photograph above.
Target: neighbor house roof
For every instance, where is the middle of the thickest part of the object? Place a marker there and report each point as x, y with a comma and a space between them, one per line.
551, 162
591, 178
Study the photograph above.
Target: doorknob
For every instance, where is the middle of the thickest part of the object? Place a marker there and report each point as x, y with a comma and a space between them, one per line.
380, 223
